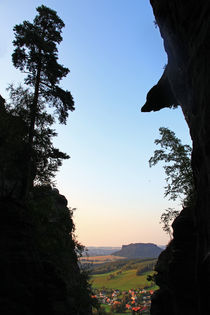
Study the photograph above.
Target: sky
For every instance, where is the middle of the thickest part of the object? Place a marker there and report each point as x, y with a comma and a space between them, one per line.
115, 55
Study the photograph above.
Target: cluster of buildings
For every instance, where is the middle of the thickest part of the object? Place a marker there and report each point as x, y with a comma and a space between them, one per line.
137, 301
136, 305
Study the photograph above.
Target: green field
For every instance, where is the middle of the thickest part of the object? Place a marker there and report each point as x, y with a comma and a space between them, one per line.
123, 276
126, 264
107, 308
124, 281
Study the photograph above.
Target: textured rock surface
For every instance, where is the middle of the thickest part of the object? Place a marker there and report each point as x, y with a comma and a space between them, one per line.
185, 28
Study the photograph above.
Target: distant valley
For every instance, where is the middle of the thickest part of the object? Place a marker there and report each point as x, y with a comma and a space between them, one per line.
131, 251
122, 273
100, 259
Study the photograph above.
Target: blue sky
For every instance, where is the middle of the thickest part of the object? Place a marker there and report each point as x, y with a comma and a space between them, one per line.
115, 55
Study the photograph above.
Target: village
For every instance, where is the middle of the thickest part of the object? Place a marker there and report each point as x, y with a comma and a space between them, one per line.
137, 301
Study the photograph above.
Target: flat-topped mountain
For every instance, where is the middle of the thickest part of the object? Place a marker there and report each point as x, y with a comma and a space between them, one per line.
139, 250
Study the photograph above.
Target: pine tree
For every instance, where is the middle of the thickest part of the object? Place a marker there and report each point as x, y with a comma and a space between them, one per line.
36, 55
45, 159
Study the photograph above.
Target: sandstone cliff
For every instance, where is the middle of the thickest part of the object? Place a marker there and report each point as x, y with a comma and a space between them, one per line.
185, 29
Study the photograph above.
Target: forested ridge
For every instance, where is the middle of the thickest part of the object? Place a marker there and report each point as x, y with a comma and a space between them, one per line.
140, 264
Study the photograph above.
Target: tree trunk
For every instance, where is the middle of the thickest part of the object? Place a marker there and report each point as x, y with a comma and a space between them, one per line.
30, 158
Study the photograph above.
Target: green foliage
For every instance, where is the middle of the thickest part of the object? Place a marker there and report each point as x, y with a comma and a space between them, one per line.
152, 278
36, 55
166, 218
179, 175
121, 265
46, 158
126, 280
177, 158
110, 276
142, 269
102, 310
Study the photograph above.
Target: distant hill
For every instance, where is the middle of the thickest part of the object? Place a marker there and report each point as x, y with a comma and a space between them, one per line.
139, 250
100, 251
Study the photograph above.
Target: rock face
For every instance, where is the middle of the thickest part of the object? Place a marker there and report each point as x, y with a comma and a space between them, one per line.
38, 267
185, 29
139, 250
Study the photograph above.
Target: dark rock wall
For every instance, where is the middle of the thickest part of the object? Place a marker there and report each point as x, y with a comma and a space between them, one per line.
176, 270
185, 29
39, 272
22, 276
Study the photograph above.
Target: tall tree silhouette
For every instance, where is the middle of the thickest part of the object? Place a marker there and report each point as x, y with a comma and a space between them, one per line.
46, 158
36, 55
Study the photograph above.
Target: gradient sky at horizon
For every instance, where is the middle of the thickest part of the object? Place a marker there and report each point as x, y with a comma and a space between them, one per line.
115, 55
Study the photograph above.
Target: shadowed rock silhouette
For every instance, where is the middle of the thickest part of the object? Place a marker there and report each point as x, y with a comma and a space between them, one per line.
160, 95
